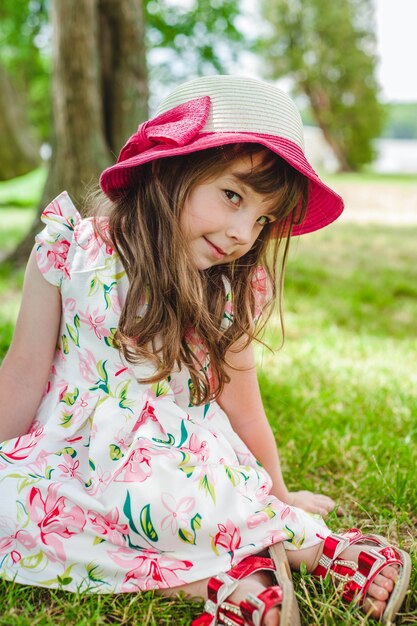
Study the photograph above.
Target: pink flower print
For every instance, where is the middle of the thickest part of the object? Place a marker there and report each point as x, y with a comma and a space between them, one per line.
115, 302
92, 243
147, 414
108, 527
228, 537
123, 440
137, 467
69, 305
199, 350
101, 480
12, 538
87, 365
200, 449
151, 570
261, 290
19, 449
95, 322
256, 519
262, 493
288, 514
56, 257
62, 386
69, 468
56, 518
179, 512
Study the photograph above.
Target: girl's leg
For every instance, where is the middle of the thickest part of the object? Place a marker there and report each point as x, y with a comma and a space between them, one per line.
379, 590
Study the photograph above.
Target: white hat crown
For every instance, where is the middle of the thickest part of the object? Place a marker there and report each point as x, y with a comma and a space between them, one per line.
241, 104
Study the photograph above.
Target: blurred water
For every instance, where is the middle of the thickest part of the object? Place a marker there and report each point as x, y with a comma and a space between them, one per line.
396, 156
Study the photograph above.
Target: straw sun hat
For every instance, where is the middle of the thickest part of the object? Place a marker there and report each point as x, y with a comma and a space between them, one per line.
217, 110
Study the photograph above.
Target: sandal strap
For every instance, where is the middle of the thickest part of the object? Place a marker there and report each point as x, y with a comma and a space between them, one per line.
220, 587
254, 608
370, 563
356, 576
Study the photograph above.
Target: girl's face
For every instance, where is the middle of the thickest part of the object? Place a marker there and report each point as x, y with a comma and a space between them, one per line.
223, 217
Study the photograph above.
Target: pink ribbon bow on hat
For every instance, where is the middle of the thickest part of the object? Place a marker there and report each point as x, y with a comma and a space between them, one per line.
176, 127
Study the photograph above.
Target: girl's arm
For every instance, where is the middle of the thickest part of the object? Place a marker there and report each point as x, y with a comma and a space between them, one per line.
25, 369
241, 400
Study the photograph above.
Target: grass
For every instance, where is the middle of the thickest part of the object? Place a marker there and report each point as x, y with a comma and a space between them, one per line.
342, 399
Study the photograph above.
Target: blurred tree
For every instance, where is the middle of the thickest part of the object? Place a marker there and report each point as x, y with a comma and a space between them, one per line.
19, 150
328, 49
99, 93
191, 38
99, 73
23, 79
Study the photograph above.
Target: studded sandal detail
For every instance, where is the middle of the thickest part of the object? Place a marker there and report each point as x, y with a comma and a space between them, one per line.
356, 577
251, 611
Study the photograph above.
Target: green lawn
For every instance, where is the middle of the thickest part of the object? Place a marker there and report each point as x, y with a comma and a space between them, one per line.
341, 396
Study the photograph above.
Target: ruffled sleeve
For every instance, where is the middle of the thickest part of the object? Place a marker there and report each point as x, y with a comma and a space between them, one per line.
53, 244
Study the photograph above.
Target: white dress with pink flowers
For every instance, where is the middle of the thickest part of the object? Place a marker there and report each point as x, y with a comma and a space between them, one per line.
122, 486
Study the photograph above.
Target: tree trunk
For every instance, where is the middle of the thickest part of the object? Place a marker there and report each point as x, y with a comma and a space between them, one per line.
19, 150
123, 68
319, 106
91, 111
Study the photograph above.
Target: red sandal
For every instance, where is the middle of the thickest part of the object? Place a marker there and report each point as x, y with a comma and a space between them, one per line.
371, 561
251, 611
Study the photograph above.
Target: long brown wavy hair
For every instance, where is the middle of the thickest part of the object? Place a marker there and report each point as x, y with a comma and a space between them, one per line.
144, 228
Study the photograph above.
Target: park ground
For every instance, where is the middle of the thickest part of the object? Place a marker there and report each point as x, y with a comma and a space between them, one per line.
341, 394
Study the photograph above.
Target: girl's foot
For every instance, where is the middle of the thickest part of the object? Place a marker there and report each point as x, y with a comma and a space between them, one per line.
365, 568
248, 593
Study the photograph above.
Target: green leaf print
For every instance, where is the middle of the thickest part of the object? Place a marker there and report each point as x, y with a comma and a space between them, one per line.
103, 382
106, 290
92, 464
115, 452
94, 283
184, 467
73, 330
161, 388
98, 540
191, 536
146, 523
66, 419
208, 487
96, 574
70, 398
184, 434
166, 442
121, 393
127, 510
110, 340
65, 348
67, 450
33, 561
186, 536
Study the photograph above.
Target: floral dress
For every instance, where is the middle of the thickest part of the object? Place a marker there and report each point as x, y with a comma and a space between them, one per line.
121, 486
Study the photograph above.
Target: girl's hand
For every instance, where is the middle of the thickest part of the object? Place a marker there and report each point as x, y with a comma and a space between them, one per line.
313, 502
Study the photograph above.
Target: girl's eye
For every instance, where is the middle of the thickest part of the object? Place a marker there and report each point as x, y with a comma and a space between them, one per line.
232, 196
263, 220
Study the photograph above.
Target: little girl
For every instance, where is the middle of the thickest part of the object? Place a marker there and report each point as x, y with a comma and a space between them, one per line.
136, 452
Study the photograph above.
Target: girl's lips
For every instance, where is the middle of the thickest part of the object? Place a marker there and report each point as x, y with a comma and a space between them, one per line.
217, 252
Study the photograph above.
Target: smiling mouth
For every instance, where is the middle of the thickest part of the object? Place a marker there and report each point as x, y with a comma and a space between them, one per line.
218, 252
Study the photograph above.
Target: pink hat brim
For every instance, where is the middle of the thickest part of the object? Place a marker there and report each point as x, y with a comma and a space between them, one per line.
324, 205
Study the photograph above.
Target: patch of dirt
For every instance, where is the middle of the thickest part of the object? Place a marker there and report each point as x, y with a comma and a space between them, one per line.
383, 203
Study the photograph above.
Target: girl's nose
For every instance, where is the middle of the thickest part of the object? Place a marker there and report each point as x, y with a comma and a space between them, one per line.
240, 229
